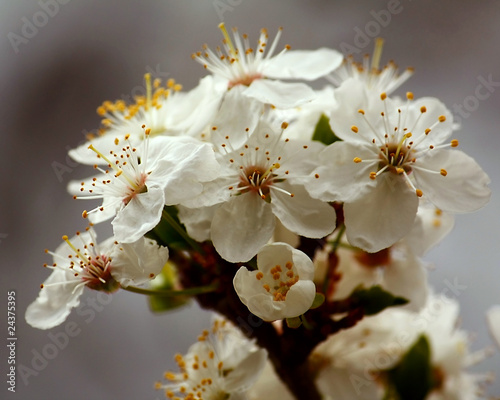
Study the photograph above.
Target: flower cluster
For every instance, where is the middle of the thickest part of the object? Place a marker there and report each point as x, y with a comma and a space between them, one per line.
305, 210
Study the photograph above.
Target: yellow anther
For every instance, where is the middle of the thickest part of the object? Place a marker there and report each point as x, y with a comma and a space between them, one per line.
442, 118
443, 172
355, 129
419, 193
357, 160
409, 95
284, 125
373, 175
361, 111
383, 96
423, 109
454, 143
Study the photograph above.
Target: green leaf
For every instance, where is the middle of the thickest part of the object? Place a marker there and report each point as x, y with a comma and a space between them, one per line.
294, 322
318, 300
323, 133
375, 299
165, 281
160, 304
411, 379
164, 233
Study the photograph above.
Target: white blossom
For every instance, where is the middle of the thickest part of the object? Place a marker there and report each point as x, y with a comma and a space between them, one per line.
140, 181
260, 181
391, 156
165, 111
281, 287
80, 262
256, 69
376, 344
223, 364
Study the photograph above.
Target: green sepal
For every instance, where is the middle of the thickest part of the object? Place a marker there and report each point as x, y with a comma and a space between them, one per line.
294, 322
323, 132
412, 378
375, 299
319, 299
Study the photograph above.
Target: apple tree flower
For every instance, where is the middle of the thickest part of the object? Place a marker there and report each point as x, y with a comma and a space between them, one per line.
81, 262
223, 364
260, 181
281, 287
377, 344
256, 71
139, 181
393, 155
165, 110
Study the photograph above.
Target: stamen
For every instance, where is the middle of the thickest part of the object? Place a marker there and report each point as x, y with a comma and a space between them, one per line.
377, 53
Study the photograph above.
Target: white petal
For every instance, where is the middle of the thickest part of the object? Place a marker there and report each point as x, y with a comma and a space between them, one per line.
299, 299
339, 177
434, 110
237, 116
54, 303
340, 383
493, 317
407, 278
246, 373
383, 216
202, 104
138, 262
139, 216
303, 64
280, 94
430, 228
241, 227
301, 213
197, 221
351, 96
463, 189
274, 254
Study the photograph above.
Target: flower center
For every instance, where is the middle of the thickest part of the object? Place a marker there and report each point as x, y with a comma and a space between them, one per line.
279, 282
95, 270
396, 157
257, 180
139, 187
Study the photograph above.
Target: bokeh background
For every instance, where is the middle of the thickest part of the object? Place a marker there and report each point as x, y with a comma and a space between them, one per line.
53, 77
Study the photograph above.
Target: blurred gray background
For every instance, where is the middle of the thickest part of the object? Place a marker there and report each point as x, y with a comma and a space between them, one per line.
54, 76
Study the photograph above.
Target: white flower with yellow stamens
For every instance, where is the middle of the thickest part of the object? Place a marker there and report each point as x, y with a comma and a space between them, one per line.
392, 155
260, 181
140, 181
81, 262
282, 287
163, 110
375, 79
256, 69
222, 365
